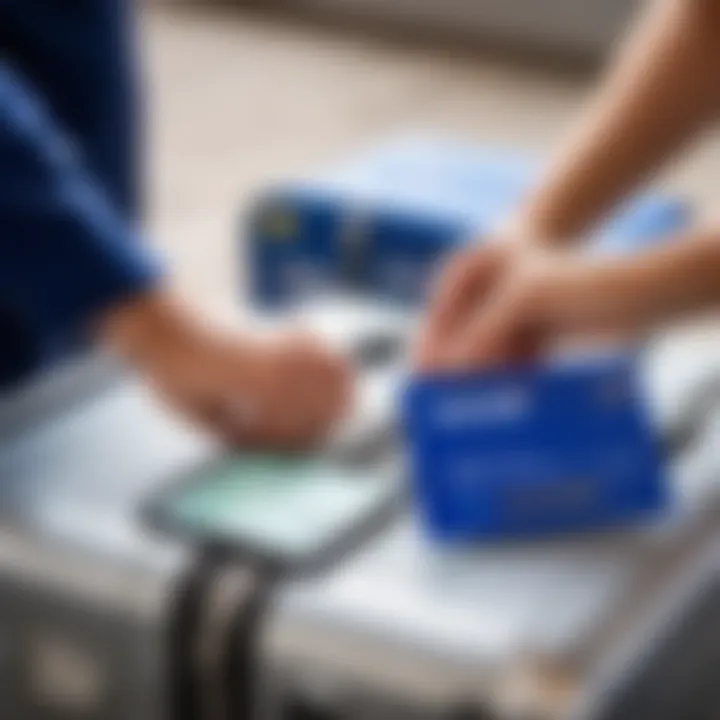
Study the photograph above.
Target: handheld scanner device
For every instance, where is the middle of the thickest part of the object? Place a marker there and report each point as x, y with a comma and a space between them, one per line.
535, 451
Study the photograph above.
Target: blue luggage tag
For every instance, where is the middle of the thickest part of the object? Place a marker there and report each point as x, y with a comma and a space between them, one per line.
532, 452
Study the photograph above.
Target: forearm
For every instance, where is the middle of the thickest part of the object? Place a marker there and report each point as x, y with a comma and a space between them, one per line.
663, 87
637, 292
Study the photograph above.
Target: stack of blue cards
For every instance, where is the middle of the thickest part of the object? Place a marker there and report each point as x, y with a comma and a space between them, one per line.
381, 223
533, 452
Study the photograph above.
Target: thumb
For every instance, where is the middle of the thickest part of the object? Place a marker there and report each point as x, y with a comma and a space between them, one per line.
498, 334
464, 285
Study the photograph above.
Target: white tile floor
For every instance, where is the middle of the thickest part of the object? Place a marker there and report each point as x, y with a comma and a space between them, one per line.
236, 101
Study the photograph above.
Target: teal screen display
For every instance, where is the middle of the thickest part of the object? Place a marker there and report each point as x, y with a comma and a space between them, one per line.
288, 506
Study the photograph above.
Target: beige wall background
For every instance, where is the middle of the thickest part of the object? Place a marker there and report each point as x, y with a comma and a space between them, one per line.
239, 99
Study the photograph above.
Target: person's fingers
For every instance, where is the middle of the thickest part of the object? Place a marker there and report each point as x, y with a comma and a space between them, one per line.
339, 382
283, 395
453, 295
221, 419
499, 333
323, 380
304, 390
270, 431
463, 284
322, 397
240, 420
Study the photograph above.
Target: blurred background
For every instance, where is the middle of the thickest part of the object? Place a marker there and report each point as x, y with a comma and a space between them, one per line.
243, 93
104, 618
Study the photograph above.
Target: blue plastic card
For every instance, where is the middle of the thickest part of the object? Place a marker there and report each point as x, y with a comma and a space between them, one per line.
526, 452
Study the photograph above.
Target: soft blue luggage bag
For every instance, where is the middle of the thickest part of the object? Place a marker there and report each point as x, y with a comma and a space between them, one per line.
382, 223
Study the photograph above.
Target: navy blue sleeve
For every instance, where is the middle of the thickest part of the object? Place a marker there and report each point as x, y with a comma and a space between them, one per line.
66, 253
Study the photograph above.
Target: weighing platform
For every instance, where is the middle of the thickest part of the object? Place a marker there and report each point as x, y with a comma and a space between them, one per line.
103, 617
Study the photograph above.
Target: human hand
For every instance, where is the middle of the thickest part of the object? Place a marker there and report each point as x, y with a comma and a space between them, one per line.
284, 393
542, 300
464, 287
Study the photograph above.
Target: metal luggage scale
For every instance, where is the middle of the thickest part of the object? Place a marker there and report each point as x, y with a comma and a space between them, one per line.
195, 624
407, 629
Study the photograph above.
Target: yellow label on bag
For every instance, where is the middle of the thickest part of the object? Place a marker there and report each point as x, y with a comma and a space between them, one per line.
280, 225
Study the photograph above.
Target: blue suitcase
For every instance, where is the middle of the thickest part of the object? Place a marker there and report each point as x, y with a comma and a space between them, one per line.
381, 223
535, 451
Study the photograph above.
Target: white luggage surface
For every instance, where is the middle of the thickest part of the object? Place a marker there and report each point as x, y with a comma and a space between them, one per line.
542, 623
